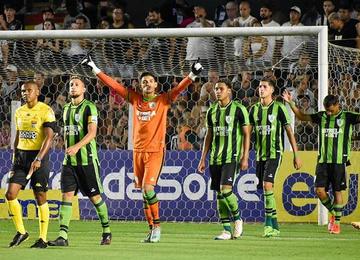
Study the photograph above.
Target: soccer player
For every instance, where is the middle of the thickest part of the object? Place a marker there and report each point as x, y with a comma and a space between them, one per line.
270, 118
335, 129
35, 124
228, 140
150, 111
81, 163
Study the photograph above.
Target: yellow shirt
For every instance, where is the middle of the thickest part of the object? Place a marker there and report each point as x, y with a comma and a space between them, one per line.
30, 125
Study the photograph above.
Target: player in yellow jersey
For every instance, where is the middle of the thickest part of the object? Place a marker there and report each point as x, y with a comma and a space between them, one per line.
35, 123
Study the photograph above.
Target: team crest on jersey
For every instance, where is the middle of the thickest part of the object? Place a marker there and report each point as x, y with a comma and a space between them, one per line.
33, 124
339, 122
152, 105
228, 119
271, 118
77, 117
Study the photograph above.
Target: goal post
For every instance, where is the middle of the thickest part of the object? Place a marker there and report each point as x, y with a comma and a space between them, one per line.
65, 66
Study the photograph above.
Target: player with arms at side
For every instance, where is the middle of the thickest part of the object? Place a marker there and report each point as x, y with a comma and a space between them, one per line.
270, 118
228, 140
335, 130
35, 124
81, 163
150, 112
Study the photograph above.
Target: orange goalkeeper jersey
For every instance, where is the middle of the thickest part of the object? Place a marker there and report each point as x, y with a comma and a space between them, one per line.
149, 117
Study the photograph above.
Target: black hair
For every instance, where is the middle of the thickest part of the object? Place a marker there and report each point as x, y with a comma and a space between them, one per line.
270, 81
330, 100
226, 82
146, 73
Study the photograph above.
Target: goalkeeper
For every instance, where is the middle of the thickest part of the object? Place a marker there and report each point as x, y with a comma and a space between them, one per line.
150, 111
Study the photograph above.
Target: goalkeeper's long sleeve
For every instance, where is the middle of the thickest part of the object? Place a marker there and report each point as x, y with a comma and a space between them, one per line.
119, 88
175, 92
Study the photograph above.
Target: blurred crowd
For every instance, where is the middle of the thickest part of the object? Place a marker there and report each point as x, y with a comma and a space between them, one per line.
291, 61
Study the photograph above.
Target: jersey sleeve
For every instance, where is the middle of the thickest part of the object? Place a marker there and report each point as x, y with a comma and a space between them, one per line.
354, 118
175, 92
316, 117
243, 116
49, 119
91, 114
284, 116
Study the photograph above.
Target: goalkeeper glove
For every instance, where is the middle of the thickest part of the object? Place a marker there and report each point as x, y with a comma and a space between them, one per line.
196, 69
89, 62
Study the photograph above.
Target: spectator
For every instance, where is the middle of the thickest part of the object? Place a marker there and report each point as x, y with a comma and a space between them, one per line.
247, 92
46, 93
48, 49
254, 49
323, 19
244, 20
47, 14
274, 42
207, 94
104, 23
290, 46
220, 14
157, 52
300, 70
72, 9
11, 87
5, 134
232, 12
11, 22
344, 35
200, 47
121, 132
75, 49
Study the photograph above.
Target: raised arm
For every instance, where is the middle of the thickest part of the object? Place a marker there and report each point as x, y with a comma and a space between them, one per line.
196, 69
107, 80
300, 115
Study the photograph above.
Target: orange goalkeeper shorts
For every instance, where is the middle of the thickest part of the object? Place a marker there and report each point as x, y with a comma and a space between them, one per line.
147, 167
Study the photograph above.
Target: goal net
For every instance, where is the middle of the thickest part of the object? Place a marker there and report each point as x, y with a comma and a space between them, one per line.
242, 55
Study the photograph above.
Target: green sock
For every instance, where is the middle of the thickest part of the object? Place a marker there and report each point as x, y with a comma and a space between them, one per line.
102, 212
274, 222
328, 204
65, 216
232, 202
338, 212
268, 195
224, 213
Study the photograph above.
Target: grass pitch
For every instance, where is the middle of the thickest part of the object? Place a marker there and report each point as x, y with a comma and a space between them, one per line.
184, 241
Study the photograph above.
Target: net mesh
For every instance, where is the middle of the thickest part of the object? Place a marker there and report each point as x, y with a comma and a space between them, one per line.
186, 197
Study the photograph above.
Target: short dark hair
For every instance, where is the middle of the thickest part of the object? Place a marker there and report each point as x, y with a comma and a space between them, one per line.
48, 10
76, 77
146, 73
155, 10
270, 81
226, 82
330, 100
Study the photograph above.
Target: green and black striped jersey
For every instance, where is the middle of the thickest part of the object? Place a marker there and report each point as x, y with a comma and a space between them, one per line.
269, 122
335, 135
76, 120
226, 124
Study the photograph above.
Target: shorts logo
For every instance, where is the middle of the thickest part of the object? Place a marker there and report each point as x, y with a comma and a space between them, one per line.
339, 122
228, 119
271, 118
230, 179
152, 105
77, 117
38, 184
92, 190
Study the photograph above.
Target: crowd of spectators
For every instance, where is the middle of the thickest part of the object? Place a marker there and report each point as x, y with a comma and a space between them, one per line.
242, 60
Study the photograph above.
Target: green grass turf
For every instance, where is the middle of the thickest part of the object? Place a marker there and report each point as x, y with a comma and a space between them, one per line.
185, 241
